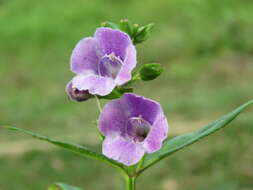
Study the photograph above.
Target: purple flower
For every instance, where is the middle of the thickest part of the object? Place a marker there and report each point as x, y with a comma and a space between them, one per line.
77, 95
103, 62
132, 125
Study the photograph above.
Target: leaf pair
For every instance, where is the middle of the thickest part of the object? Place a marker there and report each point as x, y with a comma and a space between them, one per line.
169, 147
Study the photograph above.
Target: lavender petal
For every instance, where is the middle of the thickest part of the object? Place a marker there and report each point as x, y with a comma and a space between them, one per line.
85, 56
113, 118
95, 84
157, 134
113, 41
125, 73
139, 106
122, 150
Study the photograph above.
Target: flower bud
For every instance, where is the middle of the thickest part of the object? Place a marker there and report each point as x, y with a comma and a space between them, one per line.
143, 33
126, 26
77, 95
150, 71
109, 25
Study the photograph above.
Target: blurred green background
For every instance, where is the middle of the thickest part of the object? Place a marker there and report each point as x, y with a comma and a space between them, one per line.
207, 50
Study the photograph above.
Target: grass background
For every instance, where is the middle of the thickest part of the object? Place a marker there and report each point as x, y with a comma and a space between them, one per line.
206, 48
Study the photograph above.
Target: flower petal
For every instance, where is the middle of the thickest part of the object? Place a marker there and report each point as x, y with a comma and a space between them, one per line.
139, 106
113, 118
113, 41
125, 73
122, 150
157, 134
94, 84
85, 56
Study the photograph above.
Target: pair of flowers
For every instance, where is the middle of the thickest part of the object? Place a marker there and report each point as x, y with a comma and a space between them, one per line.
132, 125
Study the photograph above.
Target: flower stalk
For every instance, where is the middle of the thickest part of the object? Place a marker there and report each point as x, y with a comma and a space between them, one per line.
98, 104
130, 183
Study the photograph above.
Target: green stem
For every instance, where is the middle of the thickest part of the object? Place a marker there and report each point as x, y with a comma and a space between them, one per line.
130, 183
98, 104
140, 164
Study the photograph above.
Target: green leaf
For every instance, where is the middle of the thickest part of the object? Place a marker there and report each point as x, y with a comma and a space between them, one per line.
180, 142
62, 186
81, 150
